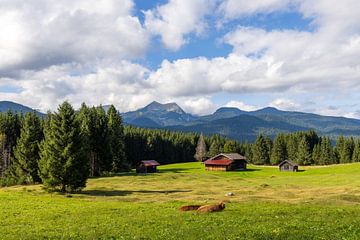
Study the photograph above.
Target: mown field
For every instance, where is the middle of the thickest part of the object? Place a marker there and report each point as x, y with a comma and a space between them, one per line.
317, 203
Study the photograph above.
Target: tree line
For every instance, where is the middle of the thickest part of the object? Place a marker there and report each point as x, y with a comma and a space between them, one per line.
66, 147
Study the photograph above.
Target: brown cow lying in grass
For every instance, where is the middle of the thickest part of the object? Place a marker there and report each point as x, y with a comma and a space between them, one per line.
189, 208
206, 208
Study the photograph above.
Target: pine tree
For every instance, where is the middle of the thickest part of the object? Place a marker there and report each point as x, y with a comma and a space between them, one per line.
116, 141
278, 153
327, 153
303, 156
344, 149
260, 151
10, 125
27, 150
291, 146
215, 148
356, 153
201, 150
316, 154
231, 146
63, 163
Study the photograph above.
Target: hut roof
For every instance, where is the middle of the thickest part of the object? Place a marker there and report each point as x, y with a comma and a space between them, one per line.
289, 162
149, 163
221, 162
231, 156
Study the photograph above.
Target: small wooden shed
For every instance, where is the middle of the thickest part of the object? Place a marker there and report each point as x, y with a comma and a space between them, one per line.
288, 166
226, 162
147, 166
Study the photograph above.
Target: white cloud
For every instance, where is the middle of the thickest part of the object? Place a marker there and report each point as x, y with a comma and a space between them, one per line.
285, 104
241, 105
240, 8
39, 34
122, 84
199, 106
176, 19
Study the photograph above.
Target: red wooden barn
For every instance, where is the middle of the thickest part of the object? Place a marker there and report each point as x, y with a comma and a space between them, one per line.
226, 162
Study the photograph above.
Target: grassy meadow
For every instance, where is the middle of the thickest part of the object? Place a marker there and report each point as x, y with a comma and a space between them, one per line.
316, 203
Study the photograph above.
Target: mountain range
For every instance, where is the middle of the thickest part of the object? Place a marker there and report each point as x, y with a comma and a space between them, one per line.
238, 124
231, 122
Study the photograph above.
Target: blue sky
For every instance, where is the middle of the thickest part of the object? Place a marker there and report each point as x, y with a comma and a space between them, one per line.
296, 55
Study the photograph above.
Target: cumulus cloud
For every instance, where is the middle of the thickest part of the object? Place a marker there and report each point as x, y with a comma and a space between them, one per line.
199, 106
285, 104
36, 35
175, 20
241, 105
240, 8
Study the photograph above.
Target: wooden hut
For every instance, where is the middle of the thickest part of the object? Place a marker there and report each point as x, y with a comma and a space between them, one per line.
226, 162
288, 166
147, 166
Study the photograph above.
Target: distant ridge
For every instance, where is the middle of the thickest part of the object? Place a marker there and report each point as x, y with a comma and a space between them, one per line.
16, 107
238, 124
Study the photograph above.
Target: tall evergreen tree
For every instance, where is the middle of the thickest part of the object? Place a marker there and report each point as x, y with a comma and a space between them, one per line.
10, 125
344, 149
316, 155
278, 153
63, 163
303, 156
215, 147
116, 141
27, 150
327, 153
291, 146
201, 150
231, 146
356, 153
260, 151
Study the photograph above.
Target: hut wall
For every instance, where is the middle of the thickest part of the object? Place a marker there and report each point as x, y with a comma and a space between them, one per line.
216, 168
288, 168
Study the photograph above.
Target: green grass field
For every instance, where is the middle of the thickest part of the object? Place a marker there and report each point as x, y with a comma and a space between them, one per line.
317, 203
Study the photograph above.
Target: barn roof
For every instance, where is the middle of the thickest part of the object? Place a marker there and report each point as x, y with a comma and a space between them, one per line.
220, 162
289, 162
149, 163
231, 156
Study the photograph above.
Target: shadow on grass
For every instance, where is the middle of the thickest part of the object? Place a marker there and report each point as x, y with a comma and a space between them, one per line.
250, 170
177, 170
112, 193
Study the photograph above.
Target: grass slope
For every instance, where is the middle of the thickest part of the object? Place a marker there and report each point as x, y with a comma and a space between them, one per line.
318, 203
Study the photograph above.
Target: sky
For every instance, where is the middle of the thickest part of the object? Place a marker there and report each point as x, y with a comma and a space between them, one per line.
296, 55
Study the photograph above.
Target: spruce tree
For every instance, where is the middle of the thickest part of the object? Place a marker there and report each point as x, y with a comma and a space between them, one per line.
344, 149
278, 153
215, 148
10, 126
231, 146
116, 141
303, 156
63, 163
27, 150
291, 146
327, 153
201, 150
356, 153
260, 151
316, 154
